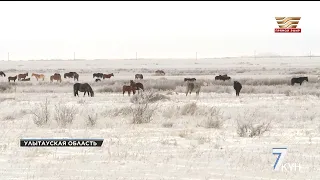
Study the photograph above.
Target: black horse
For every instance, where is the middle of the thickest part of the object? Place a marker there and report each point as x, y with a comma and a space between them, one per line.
299, 80
223, 77
97, 80
2, 74
85, 87
237, 86
98, 75
138, 76
189, 79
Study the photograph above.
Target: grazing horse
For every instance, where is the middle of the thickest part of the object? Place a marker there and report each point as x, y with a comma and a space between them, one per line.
160, 72
138, 76
56, 76
128, 89
137, 86
38, 76
237, 86
98, 75
22, 76
107, 75
68, 75
14, 78
223, 77
189, 79
2, 74
299, 80
97, 80
85, 87
26, 79
193, 86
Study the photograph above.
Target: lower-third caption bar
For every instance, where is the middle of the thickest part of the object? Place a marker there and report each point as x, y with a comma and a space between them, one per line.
61, 142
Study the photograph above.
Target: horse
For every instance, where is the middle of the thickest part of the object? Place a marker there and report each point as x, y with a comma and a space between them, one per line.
76, 76
193, 86
160, 72
14, 78
107, 75
56, 76
223, 77
68, 75
137, 86
128, 89
85, 87
237, 86
97, 80
189, 79
38, 76
2, 74
138, 76
22, 76
26, 79
98, 75
299, 80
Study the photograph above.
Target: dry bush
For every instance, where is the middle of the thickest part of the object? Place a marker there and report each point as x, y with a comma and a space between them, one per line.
148, 97
64, 115
142, 113
189, 109
123, 111
92, 119
41, 113
252, 125
214, 119
5, 87
167, 124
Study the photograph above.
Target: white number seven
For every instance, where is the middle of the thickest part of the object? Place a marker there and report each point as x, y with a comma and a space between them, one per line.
281, 152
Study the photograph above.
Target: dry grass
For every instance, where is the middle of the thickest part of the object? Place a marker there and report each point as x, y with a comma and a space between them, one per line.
41, 113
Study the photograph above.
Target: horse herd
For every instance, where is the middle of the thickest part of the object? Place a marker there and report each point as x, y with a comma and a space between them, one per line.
133, 87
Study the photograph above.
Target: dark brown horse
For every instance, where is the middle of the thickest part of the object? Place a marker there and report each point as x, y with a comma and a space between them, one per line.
107, 75
14, 78
189, 79
22, 76
56, 76
73, 75
97, 80
128, 89
237, 86
160, 72
299, 80
137, 86
85, 87
223, 77
138, 76
26, 79
2, 74
98, 75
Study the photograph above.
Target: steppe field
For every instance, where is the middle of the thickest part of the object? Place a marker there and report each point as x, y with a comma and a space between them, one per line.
163, 134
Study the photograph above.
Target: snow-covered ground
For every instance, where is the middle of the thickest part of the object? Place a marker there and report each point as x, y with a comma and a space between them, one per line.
188, 137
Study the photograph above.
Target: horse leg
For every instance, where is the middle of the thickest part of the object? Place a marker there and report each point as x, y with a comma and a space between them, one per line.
123, 93
84, 93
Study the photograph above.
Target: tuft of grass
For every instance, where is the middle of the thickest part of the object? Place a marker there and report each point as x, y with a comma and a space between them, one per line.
64, 115
41, 113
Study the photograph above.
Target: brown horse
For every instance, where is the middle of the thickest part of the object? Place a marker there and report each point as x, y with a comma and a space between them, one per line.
22, 76
73, 75
222, 78
14, 78
107, 75
128, 89
55, 77
137, 86
38, 76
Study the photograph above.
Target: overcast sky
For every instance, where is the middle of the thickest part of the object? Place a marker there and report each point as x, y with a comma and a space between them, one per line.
102, 30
